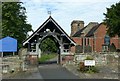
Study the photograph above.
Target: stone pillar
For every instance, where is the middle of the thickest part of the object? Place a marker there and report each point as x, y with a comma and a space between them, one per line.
37, 48
28, 47
59, 56
33, 59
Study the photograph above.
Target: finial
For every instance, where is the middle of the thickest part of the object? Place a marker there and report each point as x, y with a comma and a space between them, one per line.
49, 12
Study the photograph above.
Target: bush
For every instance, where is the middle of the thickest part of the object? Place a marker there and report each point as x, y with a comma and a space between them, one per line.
82, 66
78, 49
118, 50
87, 69
88, 49
112, 48
91, 69
89, 58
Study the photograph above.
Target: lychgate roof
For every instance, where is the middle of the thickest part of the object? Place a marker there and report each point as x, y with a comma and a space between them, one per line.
51, 24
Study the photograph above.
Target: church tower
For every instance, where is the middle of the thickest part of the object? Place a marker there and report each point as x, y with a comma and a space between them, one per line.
75, 26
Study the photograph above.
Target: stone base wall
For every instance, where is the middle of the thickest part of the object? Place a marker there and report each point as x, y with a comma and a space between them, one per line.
67, 58
10, 64
32, 59
100, 59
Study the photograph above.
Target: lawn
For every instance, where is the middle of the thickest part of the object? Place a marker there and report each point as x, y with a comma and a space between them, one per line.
45, 57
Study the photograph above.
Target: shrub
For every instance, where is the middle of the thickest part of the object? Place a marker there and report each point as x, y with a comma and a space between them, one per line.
91, 69
82, 66
87, 69
89, 58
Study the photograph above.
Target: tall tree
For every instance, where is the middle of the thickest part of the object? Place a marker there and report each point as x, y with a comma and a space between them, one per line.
112, 19
0, 20
14, 22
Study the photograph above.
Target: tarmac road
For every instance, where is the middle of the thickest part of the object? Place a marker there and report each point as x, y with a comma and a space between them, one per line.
51, 72
54, 71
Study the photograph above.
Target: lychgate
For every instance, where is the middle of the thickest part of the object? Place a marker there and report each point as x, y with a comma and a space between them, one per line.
51, 29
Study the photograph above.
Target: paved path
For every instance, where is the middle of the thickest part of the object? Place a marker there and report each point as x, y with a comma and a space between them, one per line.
46, 71
30, 74
54, 71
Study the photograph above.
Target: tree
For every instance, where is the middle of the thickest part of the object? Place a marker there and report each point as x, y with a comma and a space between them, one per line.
112, 48
48, 45
112, 20
14, 22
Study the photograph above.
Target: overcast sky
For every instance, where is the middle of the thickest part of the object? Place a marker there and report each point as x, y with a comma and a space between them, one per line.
65, 11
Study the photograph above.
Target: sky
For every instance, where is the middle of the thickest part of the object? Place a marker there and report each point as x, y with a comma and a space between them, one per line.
65, 11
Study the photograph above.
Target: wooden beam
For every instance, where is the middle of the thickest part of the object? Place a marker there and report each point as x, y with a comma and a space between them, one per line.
66, 43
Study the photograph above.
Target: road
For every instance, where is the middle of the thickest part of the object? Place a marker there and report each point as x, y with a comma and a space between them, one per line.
46, 71
51, 70
54, 71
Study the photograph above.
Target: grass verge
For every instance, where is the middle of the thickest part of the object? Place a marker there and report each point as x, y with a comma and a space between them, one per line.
45, 57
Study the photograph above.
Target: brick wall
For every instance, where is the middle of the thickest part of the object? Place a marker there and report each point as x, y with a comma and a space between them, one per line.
115, 40
99, 35
97, 40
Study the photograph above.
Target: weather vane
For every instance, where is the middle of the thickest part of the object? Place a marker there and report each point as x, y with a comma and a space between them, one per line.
49, 12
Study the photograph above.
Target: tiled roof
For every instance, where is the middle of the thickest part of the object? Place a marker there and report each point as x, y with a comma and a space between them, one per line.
89, 29
91, 32
78, 33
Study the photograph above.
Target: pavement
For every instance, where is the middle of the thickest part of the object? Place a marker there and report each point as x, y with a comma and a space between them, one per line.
47, 71
104, 73
66, 71
57, 72
31, 73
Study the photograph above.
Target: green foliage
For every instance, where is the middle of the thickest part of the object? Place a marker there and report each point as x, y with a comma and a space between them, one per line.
112, 20
48, 46
81, 67
45, 57
88, 49
78, 49
89, 58
14, 21
91, 69
112, 48
87, 69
